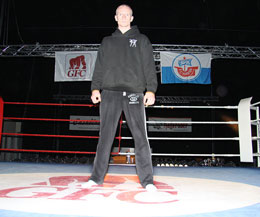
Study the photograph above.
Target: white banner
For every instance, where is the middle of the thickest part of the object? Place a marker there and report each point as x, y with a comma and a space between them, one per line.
74, 66
79, 125
169, 127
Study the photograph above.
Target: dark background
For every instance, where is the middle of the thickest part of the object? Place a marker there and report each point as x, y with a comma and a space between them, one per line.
189, 22
214, 22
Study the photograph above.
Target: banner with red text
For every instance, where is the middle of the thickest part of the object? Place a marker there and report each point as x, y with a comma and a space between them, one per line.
74, 66
167, 126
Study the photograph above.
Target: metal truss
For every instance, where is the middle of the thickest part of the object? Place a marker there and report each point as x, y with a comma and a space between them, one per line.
48, 50
229, 52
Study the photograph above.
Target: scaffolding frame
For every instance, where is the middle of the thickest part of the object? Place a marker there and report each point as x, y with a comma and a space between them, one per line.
48, 50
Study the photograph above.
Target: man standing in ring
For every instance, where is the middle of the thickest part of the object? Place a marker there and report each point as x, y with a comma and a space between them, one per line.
124, 71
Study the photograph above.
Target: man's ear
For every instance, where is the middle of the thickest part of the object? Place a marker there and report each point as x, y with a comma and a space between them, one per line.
115, 18
132, 18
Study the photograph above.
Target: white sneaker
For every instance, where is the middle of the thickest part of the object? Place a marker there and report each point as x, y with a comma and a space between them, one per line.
150, 188
88, 184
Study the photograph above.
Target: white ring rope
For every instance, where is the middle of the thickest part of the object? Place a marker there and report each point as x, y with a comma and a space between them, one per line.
255, 122
189, 122
188, 138
255, 104
191, 155
195, 107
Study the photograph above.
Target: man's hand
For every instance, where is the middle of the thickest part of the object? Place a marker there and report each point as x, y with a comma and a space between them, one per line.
149, 98
96, 97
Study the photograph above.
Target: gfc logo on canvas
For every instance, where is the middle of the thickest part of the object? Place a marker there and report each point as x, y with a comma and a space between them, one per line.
69, 188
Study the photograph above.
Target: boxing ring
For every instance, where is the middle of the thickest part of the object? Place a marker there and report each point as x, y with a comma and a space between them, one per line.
245, 122
54, 190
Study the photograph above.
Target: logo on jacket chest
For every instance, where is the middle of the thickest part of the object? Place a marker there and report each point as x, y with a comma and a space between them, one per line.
132, 42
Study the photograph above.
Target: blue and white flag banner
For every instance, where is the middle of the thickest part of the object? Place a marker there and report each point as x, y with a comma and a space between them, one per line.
74, 66
185, 68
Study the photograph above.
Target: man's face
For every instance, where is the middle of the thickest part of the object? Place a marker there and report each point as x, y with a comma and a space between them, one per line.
124, 16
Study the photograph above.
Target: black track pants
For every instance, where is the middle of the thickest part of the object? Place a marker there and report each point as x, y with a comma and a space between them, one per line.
111, 106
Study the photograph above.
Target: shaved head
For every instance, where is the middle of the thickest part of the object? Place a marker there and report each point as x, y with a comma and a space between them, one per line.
126, 6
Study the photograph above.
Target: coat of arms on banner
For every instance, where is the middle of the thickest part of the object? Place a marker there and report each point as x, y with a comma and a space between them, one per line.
185, 68
74, 66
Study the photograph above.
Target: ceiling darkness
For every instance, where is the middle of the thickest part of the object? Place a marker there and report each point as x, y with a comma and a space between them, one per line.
189, 22
213, 22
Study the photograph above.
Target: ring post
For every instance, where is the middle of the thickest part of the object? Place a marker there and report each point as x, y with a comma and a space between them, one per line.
1, 119
244, 127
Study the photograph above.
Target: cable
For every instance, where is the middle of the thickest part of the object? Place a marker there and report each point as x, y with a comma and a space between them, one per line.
16, 23
2, 15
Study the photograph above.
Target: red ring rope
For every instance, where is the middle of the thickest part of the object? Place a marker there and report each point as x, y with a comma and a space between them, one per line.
2, 103
49, 119
47, 104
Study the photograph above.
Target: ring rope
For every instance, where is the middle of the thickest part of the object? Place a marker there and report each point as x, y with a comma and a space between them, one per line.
49, 104
190, 138
120, 137
195, 107
50, 119
124, 122
51, 135
53, 151
192, 122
